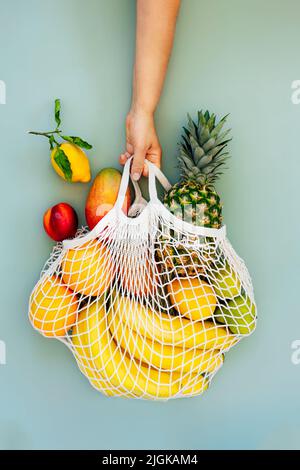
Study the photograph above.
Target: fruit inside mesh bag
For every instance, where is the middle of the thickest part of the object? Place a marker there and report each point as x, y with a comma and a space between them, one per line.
150, 305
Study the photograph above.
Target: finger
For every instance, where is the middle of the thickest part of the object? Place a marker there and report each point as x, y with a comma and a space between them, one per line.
146, 170
153, 157
138, 163
123, 159
129, 148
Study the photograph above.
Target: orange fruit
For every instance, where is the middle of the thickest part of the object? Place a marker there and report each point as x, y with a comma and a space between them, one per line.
53, 307
192, 298
88, 269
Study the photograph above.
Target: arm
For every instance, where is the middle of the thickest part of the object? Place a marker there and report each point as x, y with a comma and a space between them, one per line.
155, 29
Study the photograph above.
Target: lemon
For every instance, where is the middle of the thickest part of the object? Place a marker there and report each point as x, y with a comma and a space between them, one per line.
76, 165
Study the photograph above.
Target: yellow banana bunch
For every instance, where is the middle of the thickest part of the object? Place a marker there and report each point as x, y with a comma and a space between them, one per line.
84, 358
163, 356
173, 331
107, 367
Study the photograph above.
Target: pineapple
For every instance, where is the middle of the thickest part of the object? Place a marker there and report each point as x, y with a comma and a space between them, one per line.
194, 198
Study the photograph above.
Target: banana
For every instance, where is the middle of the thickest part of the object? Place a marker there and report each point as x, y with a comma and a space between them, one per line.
116, 370
100, 383
167, 330
82, 351
195, 387
164, 356
105, 387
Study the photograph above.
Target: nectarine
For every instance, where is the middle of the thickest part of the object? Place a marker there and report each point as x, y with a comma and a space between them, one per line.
60, 221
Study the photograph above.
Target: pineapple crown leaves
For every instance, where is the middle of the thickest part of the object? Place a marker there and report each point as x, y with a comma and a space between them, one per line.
60, 157
202, 150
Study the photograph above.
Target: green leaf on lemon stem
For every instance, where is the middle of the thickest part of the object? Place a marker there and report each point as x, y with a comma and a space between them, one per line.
63, 162
51, 142
77, 141
57, 113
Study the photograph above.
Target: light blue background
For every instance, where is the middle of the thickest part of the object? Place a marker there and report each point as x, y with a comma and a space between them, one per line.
236, 56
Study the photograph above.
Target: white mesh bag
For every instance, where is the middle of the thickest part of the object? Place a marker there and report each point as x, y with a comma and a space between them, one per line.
138, 324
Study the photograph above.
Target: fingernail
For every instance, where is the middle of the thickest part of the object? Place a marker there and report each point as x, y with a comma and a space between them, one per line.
136, 176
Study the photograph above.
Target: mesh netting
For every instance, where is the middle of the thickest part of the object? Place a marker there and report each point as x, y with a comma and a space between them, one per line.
147, 305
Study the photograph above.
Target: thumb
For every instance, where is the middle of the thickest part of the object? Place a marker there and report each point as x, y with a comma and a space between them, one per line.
138, 163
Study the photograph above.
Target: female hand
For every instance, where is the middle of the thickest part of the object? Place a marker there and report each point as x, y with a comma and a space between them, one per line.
155, 28
141, 142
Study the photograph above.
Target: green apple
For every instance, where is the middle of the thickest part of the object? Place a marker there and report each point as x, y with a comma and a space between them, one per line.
226, 283
238, 314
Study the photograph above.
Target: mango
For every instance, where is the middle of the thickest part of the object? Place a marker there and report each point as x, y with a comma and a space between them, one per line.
103, 195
